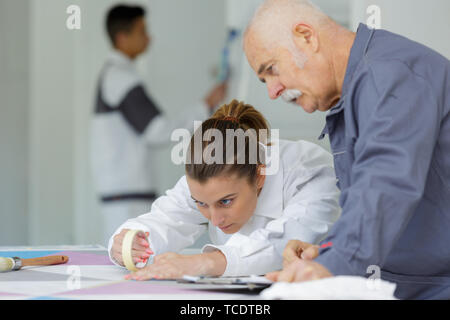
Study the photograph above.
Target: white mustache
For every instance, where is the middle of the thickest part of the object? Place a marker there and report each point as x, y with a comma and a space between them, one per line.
291, 95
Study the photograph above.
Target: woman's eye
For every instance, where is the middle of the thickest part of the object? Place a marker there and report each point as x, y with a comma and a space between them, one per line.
201, 204
226, 202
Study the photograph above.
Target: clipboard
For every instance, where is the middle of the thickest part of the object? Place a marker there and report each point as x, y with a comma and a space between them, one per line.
251, 282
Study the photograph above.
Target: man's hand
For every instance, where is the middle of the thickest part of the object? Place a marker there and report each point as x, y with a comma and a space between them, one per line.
216, 95
296, 249
300, 270
141, 248
172, 265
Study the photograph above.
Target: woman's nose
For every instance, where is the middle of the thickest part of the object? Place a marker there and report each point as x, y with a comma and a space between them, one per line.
217, 219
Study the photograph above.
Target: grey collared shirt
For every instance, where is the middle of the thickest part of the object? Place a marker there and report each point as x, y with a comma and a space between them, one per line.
390, 137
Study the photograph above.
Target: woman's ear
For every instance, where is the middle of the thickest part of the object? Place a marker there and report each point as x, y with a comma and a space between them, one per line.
261, 176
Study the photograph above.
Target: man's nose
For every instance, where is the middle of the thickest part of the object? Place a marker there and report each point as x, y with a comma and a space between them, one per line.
275, 89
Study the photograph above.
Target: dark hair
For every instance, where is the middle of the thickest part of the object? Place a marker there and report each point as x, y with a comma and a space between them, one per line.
122, 18
236, 116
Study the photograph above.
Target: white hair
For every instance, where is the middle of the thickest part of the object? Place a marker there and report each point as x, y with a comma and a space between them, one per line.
275, 19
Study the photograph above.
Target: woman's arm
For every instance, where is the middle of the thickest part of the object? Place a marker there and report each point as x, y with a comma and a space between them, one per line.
171, 265
172, 224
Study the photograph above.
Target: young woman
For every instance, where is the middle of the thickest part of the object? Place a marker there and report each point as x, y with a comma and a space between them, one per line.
250, 216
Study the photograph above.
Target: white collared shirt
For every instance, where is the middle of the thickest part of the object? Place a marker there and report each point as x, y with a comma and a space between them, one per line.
299, 202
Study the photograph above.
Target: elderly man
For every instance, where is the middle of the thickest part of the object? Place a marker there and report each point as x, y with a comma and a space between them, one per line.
388, 121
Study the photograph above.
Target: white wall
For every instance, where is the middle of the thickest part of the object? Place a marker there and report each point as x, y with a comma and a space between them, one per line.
48, 76
64, 67
427, 22
52, 154
14, 87
187, 40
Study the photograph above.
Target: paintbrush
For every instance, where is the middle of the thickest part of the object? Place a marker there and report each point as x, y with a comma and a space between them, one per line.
15, 263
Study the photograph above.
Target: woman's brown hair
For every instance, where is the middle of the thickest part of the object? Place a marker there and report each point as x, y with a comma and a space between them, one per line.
230, 118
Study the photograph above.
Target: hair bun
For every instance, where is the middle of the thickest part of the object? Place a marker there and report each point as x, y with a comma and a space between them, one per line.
231, 118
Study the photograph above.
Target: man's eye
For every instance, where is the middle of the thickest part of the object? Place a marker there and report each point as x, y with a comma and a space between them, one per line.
226, 202
272, 70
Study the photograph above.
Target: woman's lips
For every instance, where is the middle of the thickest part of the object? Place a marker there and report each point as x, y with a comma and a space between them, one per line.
226, 227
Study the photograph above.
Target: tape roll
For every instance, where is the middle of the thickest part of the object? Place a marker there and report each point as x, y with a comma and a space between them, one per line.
127, 249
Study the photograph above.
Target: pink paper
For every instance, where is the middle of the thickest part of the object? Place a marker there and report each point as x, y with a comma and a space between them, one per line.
132, 287
85, 259
10, 294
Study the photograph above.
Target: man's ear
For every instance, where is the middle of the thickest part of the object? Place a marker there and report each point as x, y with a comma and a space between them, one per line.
305, 37
120, 39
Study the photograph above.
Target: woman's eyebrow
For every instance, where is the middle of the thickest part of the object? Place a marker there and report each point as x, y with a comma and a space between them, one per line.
224, 197
227, 196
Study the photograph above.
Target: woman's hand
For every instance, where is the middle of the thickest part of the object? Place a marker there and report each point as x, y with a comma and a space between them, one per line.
141, 249
172, 265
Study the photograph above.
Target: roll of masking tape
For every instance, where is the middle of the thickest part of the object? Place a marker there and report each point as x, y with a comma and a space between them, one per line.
127, 249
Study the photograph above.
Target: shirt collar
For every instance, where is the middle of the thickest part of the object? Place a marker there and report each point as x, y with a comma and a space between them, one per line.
357, 52
359, 48
118, 56
270, 200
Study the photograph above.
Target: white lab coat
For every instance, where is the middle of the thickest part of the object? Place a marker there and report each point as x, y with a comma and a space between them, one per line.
299, 202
